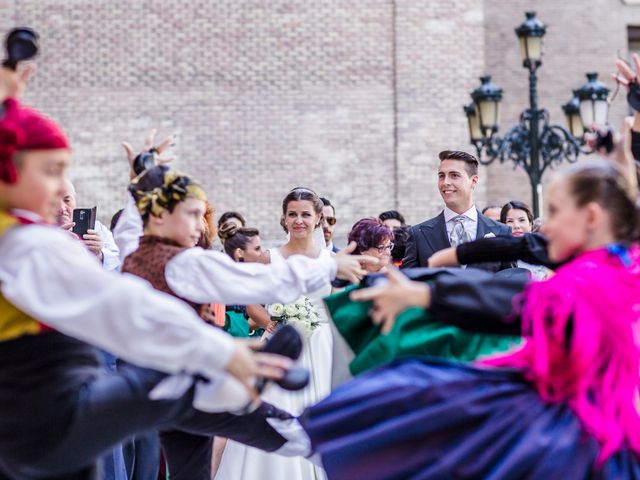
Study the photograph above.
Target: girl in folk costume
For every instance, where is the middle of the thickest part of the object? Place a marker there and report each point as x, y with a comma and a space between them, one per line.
60, 411
563, 405
169, 207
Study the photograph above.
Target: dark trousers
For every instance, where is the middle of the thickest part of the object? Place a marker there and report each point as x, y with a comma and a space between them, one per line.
115, 406
188, 456
142, 457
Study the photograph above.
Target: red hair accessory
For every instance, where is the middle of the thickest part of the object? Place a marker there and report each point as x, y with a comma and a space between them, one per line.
23, 128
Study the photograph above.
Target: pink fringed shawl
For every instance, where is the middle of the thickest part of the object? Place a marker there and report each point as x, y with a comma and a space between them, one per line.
582, 331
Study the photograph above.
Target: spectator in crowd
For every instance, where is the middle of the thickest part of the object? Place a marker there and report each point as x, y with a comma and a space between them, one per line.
231, 216
492, 211
375, 239
518, 217
401, 235
460, 221
392, 219
99, 241
328, 223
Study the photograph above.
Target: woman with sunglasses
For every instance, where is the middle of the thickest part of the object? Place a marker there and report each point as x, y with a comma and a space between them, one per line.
374, 238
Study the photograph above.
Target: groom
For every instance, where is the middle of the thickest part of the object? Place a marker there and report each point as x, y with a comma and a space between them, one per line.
460, 221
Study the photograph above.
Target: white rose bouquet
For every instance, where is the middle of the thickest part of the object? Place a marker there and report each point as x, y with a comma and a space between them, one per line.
302, 315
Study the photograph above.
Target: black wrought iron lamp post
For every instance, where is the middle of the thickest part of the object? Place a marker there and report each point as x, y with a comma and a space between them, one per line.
534, 144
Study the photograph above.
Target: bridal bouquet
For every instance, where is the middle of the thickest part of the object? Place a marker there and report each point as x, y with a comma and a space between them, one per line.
302, 315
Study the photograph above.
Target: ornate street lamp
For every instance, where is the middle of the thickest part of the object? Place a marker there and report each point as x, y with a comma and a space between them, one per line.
593, 102
571, 110
475, 132
534, 144
486, 100
531, 33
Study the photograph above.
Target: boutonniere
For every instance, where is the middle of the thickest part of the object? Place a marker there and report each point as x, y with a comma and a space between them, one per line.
490, 235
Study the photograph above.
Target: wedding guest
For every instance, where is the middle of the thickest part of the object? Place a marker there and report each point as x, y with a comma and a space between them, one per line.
328, 223
373, 238
392, 219
400, 237
518, 216
99, 240
231, 216
492, 211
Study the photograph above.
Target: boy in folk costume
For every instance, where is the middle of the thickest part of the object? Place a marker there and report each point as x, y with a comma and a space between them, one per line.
59, 412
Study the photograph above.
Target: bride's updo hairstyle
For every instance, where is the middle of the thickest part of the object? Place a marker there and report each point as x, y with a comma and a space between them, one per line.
300, 194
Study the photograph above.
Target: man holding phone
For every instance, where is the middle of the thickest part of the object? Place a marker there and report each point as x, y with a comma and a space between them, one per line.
98, 240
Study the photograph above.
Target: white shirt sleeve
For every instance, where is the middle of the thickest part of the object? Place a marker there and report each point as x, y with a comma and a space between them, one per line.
110, 252
128, 230
205, 276
54, 279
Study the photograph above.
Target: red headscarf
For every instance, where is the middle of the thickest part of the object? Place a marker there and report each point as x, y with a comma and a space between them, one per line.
22, 128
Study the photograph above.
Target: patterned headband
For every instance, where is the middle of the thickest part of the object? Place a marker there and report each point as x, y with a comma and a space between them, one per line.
161, 188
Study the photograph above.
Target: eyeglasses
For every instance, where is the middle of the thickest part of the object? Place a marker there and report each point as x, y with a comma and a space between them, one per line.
331, 220
382, 248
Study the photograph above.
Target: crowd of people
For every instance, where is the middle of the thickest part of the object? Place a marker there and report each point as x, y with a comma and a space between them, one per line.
136, 351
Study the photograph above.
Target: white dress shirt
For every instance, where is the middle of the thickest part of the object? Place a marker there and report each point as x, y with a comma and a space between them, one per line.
53, 278
470, 221
110, 253
207, 276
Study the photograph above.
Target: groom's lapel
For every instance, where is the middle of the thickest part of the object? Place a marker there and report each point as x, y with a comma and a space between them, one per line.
435, 233
483, 227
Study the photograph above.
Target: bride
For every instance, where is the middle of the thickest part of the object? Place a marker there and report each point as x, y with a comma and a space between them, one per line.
301, 219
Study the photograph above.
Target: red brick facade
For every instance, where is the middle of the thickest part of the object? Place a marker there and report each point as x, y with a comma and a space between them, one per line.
353, 99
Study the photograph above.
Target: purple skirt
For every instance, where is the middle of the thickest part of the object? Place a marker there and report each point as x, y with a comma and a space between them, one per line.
431, 419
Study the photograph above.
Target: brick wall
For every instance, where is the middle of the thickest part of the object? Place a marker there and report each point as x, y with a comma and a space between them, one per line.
353, 99
581, 37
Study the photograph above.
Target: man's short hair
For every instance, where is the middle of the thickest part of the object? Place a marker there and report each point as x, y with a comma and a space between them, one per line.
392, 215
490, 206
471, 163
327, 203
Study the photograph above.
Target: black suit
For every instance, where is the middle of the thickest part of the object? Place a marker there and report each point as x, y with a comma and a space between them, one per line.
431, 236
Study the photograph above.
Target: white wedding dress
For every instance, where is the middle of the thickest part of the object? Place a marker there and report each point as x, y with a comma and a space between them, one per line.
240, 462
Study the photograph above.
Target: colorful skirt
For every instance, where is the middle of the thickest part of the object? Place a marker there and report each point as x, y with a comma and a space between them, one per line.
433, 419
416, 332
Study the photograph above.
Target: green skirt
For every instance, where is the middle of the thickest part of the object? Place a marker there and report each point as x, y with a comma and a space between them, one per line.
415, 333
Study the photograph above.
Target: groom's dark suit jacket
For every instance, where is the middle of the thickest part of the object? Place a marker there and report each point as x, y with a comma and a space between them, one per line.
430, 236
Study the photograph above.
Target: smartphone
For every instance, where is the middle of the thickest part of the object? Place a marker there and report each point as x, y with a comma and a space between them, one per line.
84, 219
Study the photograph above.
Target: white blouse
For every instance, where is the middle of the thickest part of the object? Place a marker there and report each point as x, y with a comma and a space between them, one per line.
207, 276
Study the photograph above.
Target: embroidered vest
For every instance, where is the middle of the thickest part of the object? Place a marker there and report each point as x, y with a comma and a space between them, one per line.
149, 262
14, 322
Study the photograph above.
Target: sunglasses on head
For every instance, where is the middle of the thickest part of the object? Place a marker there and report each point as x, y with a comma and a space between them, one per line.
331, 220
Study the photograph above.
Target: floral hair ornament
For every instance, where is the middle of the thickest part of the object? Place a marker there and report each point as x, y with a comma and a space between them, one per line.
162, 188
22, 128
